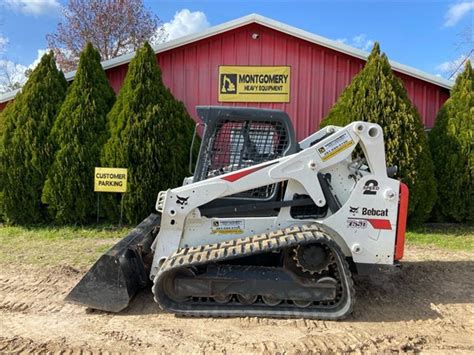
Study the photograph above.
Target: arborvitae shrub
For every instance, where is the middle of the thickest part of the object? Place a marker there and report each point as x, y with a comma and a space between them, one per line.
25, 154
7, 112
452, 147
377, 95
150, 136
78, 135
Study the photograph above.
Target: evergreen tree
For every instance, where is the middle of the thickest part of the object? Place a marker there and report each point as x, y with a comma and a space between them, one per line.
377, 95
25, 153
150, 136
78, 135
452, 147
7, 112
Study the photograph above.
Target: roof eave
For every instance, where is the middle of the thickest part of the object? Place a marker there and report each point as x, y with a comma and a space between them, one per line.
270, 23
8, 96
344, 48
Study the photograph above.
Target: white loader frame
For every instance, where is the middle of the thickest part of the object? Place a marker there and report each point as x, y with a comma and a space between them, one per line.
364, 225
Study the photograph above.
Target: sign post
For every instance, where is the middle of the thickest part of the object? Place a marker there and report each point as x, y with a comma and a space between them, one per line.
110, 180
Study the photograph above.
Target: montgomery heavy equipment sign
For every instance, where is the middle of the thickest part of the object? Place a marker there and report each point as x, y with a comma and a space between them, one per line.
254, 84
110, 180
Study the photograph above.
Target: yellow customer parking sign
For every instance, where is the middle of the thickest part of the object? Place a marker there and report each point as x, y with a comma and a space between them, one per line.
110, 180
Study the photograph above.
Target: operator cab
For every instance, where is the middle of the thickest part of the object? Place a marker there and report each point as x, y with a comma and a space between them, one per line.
235, 138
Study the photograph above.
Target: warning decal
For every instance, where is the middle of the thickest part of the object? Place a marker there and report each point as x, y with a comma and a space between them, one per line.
334, 147
230, 226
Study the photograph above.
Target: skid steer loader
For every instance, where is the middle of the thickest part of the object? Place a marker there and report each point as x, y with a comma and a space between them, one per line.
266, 226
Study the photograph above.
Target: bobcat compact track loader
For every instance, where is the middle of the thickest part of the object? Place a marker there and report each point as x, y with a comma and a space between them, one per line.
266, 226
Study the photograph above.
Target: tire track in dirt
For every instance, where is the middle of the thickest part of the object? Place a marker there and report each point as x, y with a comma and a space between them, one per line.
20, 345
26, 291
343, 343
426, 306
119, 336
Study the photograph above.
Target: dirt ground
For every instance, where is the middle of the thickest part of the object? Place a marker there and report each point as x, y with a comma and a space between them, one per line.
426, 306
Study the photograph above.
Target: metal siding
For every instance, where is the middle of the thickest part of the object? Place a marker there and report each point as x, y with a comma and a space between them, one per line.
116, 77
292, 57
328, 93
215, 59
318, 74
203, 73
427, 97
304, 87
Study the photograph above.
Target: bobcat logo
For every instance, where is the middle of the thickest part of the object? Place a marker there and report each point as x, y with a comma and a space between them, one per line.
353, 210
182, 200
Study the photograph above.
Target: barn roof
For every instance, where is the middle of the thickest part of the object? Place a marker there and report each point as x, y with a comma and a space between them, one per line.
270, 23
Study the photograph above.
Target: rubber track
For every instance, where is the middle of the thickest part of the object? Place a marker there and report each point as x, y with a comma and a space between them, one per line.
258, 244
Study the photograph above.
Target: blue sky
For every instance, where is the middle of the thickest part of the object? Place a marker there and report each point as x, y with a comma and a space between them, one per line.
422, 34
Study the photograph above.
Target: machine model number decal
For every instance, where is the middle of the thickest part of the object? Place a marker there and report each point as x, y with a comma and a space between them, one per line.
334, 147
356, 223
223, 226
376, 223
371, 187
361, 222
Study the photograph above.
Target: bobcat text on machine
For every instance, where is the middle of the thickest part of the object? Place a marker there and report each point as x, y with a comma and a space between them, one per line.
266, 226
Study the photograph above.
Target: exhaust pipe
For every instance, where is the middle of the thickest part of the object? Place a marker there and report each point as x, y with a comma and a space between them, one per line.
118, 274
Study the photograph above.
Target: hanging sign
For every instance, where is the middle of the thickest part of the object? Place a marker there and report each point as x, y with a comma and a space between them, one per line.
110, 180
254, 84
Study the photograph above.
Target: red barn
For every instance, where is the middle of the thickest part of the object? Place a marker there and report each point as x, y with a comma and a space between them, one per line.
319, 70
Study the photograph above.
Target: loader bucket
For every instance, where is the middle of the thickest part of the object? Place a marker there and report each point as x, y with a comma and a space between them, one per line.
118, 274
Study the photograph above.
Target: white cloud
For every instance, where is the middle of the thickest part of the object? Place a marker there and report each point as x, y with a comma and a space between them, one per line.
360, 41
11, 72
184, 23
449, 66
3, 43
446, 69
34, 7
39, 54
456, 12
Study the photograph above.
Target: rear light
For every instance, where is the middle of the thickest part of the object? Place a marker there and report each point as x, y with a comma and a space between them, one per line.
401, 221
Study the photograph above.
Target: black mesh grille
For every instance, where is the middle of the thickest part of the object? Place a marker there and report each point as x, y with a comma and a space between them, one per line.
240, 144
307, 211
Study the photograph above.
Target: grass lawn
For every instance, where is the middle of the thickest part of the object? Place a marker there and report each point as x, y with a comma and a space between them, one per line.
80, 247
444, 236
50, 246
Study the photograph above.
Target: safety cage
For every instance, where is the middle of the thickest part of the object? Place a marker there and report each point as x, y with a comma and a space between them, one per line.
236, 138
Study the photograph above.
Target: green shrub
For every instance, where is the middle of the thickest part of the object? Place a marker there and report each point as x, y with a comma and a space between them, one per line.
78, 135
377, 95
25, 153
150, 136
452, 147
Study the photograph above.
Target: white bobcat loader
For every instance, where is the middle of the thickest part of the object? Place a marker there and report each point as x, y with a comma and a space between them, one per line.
266, 226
